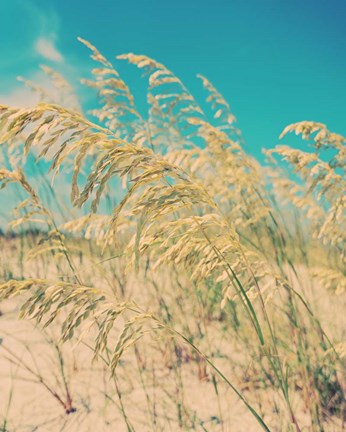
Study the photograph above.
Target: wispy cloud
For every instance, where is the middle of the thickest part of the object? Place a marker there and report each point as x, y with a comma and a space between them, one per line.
27, 92
45, 47
20, 97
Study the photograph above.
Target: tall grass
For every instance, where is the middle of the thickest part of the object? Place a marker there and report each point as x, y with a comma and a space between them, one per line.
241, 244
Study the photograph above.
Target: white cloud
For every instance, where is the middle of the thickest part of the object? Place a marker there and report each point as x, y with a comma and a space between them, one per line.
22, 98
45, 46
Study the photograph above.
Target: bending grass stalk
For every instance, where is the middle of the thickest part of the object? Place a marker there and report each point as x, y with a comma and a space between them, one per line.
176, 333
217, 370
276, 366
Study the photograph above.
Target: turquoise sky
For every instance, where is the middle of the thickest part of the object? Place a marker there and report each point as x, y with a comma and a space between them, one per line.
275, 61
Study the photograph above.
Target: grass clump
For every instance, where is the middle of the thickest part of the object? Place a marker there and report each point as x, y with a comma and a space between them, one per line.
179, 256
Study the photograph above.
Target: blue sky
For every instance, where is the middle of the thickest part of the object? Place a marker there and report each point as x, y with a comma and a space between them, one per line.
275, 61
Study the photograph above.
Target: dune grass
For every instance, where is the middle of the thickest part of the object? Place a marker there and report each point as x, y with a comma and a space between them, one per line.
181, 262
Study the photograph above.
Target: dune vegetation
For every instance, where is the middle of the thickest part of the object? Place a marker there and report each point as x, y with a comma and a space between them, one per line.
184, 285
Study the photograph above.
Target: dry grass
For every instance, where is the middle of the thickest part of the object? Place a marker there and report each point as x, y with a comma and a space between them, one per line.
195, 290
